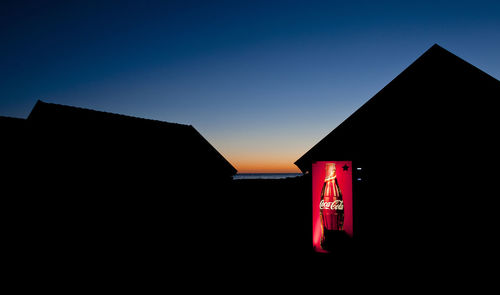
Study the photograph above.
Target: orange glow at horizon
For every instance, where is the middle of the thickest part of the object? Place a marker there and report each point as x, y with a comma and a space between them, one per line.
264, 151
264, 165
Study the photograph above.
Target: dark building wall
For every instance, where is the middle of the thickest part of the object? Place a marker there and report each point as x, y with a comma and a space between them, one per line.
95, 185
427, 146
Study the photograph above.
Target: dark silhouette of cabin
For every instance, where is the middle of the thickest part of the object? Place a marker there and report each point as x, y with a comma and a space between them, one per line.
427, 144
104, 184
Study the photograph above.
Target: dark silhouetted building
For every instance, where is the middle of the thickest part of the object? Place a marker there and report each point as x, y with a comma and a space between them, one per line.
84, 183
426, 146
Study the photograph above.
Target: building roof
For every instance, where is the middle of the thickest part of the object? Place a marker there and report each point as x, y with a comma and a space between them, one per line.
177, 142
438, 94
43, 111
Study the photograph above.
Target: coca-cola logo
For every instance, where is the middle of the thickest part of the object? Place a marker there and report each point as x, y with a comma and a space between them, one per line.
335, 205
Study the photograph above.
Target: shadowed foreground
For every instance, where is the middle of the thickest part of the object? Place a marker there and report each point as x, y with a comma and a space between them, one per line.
247, 231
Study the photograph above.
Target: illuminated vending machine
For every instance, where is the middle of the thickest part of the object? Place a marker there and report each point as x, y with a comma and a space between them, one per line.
332, 188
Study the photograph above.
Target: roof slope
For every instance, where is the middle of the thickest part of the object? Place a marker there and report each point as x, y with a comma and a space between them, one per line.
177, 143
437, 94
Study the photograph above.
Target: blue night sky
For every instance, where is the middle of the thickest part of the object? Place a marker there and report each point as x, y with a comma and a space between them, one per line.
263, 81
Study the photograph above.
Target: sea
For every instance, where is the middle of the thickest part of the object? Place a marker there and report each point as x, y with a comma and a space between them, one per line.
265, 175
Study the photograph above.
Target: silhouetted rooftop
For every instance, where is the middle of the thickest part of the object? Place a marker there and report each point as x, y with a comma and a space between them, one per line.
178, 141
43, 109
437, 92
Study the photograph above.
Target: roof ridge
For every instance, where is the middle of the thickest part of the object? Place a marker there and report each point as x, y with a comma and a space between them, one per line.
109, 113
437, 47
434, 51
8, 117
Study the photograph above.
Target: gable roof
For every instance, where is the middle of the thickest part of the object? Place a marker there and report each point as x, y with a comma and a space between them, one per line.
10, 122
439, 91
44, 111
177, 141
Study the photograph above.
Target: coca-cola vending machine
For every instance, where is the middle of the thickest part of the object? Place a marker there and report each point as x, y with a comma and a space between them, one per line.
332, 203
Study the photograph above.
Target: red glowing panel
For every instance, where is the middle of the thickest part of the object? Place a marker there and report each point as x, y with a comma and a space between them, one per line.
332, 200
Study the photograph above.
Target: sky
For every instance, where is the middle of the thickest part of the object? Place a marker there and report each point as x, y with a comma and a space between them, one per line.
262, 81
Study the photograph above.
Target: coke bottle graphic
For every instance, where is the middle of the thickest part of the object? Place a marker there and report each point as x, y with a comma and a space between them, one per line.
331, 205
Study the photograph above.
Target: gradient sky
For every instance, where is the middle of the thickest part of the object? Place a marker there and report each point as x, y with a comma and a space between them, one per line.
263, 81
